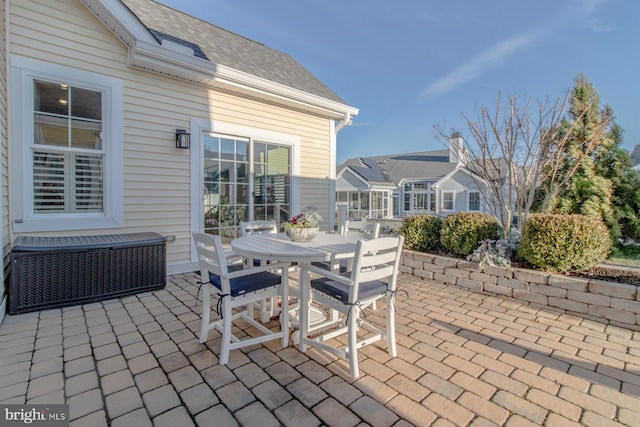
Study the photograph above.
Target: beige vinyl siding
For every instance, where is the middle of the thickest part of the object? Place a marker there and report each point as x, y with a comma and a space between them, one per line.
157, 182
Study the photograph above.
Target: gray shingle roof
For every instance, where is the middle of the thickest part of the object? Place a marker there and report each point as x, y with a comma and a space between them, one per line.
424, 165
227, 48
370, 171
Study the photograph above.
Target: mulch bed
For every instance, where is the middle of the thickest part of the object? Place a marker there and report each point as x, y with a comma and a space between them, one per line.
614, 273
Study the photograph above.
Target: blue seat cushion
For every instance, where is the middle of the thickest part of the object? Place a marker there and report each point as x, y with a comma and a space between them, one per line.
340, 291
246, 284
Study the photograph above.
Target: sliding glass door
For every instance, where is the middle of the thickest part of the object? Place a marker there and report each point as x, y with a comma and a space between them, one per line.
244, 180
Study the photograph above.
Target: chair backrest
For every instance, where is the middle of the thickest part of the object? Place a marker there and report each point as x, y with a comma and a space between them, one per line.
258, 227
376, 259
211, 256
364, 229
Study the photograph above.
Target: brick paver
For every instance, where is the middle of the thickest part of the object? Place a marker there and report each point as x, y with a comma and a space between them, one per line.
160, 400
199, 398
464, 358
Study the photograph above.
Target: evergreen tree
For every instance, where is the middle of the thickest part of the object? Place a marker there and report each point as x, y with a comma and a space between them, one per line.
601, 180
587, 190
616, 165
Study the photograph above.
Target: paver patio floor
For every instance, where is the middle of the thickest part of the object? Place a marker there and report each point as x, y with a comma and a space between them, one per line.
464, 358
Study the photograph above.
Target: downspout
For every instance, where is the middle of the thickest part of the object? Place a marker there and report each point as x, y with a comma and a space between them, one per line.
346, 121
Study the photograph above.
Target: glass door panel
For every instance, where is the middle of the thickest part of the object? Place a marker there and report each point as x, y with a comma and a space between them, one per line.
233, 194
272, 181
225, 185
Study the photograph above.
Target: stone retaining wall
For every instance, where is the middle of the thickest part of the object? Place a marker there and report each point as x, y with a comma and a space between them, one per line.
614, 303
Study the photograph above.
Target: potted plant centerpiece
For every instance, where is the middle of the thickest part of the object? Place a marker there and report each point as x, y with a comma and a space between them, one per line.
304, 226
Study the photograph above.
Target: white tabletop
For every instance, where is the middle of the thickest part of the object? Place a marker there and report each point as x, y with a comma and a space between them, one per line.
278, 247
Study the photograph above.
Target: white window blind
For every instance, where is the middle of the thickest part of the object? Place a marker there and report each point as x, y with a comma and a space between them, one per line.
67, 182
48, 182
87, 187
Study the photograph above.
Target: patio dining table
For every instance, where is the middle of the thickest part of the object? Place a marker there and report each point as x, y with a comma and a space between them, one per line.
278, 247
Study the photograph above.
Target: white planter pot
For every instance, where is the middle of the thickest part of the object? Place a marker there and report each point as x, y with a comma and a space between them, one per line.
301, 234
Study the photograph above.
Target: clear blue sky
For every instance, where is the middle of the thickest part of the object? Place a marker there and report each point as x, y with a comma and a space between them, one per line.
411, 64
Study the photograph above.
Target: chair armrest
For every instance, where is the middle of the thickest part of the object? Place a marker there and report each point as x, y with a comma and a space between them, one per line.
253, 270
329, 274
351, 255
232, 257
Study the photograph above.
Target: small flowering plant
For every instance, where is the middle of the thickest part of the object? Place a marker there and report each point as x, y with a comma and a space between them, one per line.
308, 218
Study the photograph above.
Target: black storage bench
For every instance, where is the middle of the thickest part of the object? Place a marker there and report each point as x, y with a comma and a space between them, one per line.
49, 272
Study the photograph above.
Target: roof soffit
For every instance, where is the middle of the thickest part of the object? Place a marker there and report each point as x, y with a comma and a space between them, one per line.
146, 52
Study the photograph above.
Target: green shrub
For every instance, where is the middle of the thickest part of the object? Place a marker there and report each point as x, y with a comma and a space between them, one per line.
557, 242
462, 232
421, 233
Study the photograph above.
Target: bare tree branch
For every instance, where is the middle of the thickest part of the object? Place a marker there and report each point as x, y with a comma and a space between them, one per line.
512, 149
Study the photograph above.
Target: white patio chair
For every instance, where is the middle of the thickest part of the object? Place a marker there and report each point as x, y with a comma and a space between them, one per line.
266, 307
373, 277
237, 288
258, 227
362, 229
365, 229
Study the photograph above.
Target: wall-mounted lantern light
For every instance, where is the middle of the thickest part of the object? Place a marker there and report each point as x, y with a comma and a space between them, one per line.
183, 139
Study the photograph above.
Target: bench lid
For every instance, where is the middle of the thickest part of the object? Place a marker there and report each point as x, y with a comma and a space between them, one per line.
37, 243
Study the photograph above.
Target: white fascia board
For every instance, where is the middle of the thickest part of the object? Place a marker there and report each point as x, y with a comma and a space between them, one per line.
446, 177
145, 52
119, 19
158, 58
233, 75
357, 175
456, 170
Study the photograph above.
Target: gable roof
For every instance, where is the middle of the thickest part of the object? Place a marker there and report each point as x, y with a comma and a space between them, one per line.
461, 169
171, 42
427, 165
370, 171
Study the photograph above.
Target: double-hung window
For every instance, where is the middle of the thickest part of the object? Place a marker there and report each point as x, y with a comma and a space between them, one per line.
67, 151
447, 201
67, 140
474, 201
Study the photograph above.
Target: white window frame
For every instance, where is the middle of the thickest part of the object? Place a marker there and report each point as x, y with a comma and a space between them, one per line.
23, 73
453, 201
200, 126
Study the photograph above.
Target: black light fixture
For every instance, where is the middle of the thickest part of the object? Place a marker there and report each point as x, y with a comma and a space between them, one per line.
183, 139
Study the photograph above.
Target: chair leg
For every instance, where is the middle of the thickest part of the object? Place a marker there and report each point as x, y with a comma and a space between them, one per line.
267, 309
227, 323
284, 309
303, 308
206, 313
391, 326
353, 342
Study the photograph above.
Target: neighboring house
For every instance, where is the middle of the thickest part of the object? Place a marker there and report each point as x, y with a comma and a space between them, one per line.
635, 157
96, 91
400, 185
